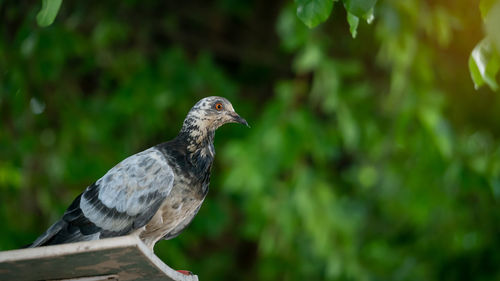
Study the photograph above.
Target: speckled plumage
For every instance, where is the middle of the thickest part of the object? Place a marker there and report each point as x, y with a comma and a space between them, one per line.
155, 193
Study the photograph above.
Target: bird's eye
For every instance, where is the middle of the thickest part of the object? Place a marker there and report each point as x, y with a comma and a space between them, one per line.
218, 106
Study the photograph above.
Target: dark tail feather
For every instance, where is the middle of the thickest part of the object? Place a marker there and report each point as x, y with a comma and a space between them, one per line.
73, 227
61, 232
49, 235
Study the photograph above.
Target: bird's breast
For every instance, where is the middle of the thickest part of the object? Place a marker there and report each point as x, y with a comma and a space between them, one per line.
175, 213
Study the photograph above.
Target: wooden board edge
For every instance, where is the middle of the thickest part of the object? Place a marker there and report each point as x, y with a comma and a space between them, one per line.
69, 248
158, 263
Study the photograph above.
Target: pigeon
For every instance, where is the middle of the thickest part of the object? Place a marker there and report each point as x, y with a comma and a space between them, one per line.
154, 194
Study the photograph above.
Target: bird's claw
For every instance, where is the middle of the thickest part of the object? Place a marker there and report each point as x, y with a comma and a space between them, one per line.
185, 272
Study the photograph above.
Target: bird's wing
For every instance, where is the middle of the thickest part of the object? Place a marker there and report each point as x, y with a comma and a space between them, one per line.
125, 198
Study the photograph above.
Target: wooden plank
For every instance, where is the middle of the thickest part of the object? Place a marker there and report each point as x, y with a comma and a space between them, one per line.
126, 257
113, 277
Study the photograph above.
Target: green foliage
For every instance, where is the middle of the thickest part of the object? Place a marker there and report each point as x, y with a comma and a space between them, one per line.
313, 12
484, 61
368, 159
353, 24
48, 13
359, 8
484, 64
491, 18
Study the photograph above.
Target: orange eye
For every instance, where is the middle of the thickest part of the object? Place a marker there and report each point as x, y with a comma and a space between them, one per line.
218, 106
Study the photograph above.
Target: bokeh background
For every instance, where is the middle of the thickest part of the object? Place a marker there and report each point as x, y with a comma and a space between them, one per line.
371, 158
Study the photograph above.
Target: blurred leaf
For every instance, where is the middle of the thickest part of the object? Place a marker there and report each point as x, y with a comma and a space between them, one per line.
359, 8
326, 86
367, 176
442, 26
48, 13
308, 59
370, 16
492, 26
292, 31
438, 129
484, 63
348, 127
353, 24
313, 12
485, 6
10, 176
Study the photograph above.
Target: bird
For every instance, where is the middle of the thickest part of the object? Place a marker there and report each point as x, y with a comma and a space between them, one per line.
154, 194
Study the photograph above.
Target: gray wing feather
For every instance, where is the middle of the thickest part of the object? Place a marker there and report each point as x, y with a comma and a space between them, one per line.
134, 187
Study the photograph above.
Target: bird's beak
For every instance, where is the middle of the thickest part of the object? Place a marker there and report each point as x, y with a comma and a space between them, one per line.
239, 119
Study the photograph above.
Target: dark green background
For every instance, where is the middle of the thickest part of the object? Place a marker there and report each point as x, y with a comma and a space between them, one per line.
368, 159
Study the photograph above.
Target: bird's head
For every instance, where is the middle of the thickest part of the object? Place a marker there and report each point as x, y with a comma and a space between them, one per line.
205, 117
210, 113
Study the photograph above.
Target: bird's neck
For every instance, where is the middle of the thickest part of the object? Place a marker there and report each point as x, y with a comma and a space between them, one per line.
197, 142
198, 138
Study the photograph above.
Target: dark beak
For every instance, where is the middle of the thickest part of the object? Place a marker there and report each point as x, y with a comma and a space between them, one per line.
239, 119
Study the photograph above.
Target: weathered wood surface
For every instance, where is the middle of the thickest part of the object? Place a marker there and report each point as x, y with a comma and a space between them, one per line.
125, 257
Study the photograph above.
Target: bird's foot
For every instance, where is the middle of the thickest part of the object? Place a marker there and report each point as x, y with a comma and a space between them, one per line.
185, 272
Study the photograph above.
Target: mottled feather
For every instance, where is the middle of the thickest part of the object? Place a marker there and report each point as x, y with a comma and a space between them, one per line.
133, 187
